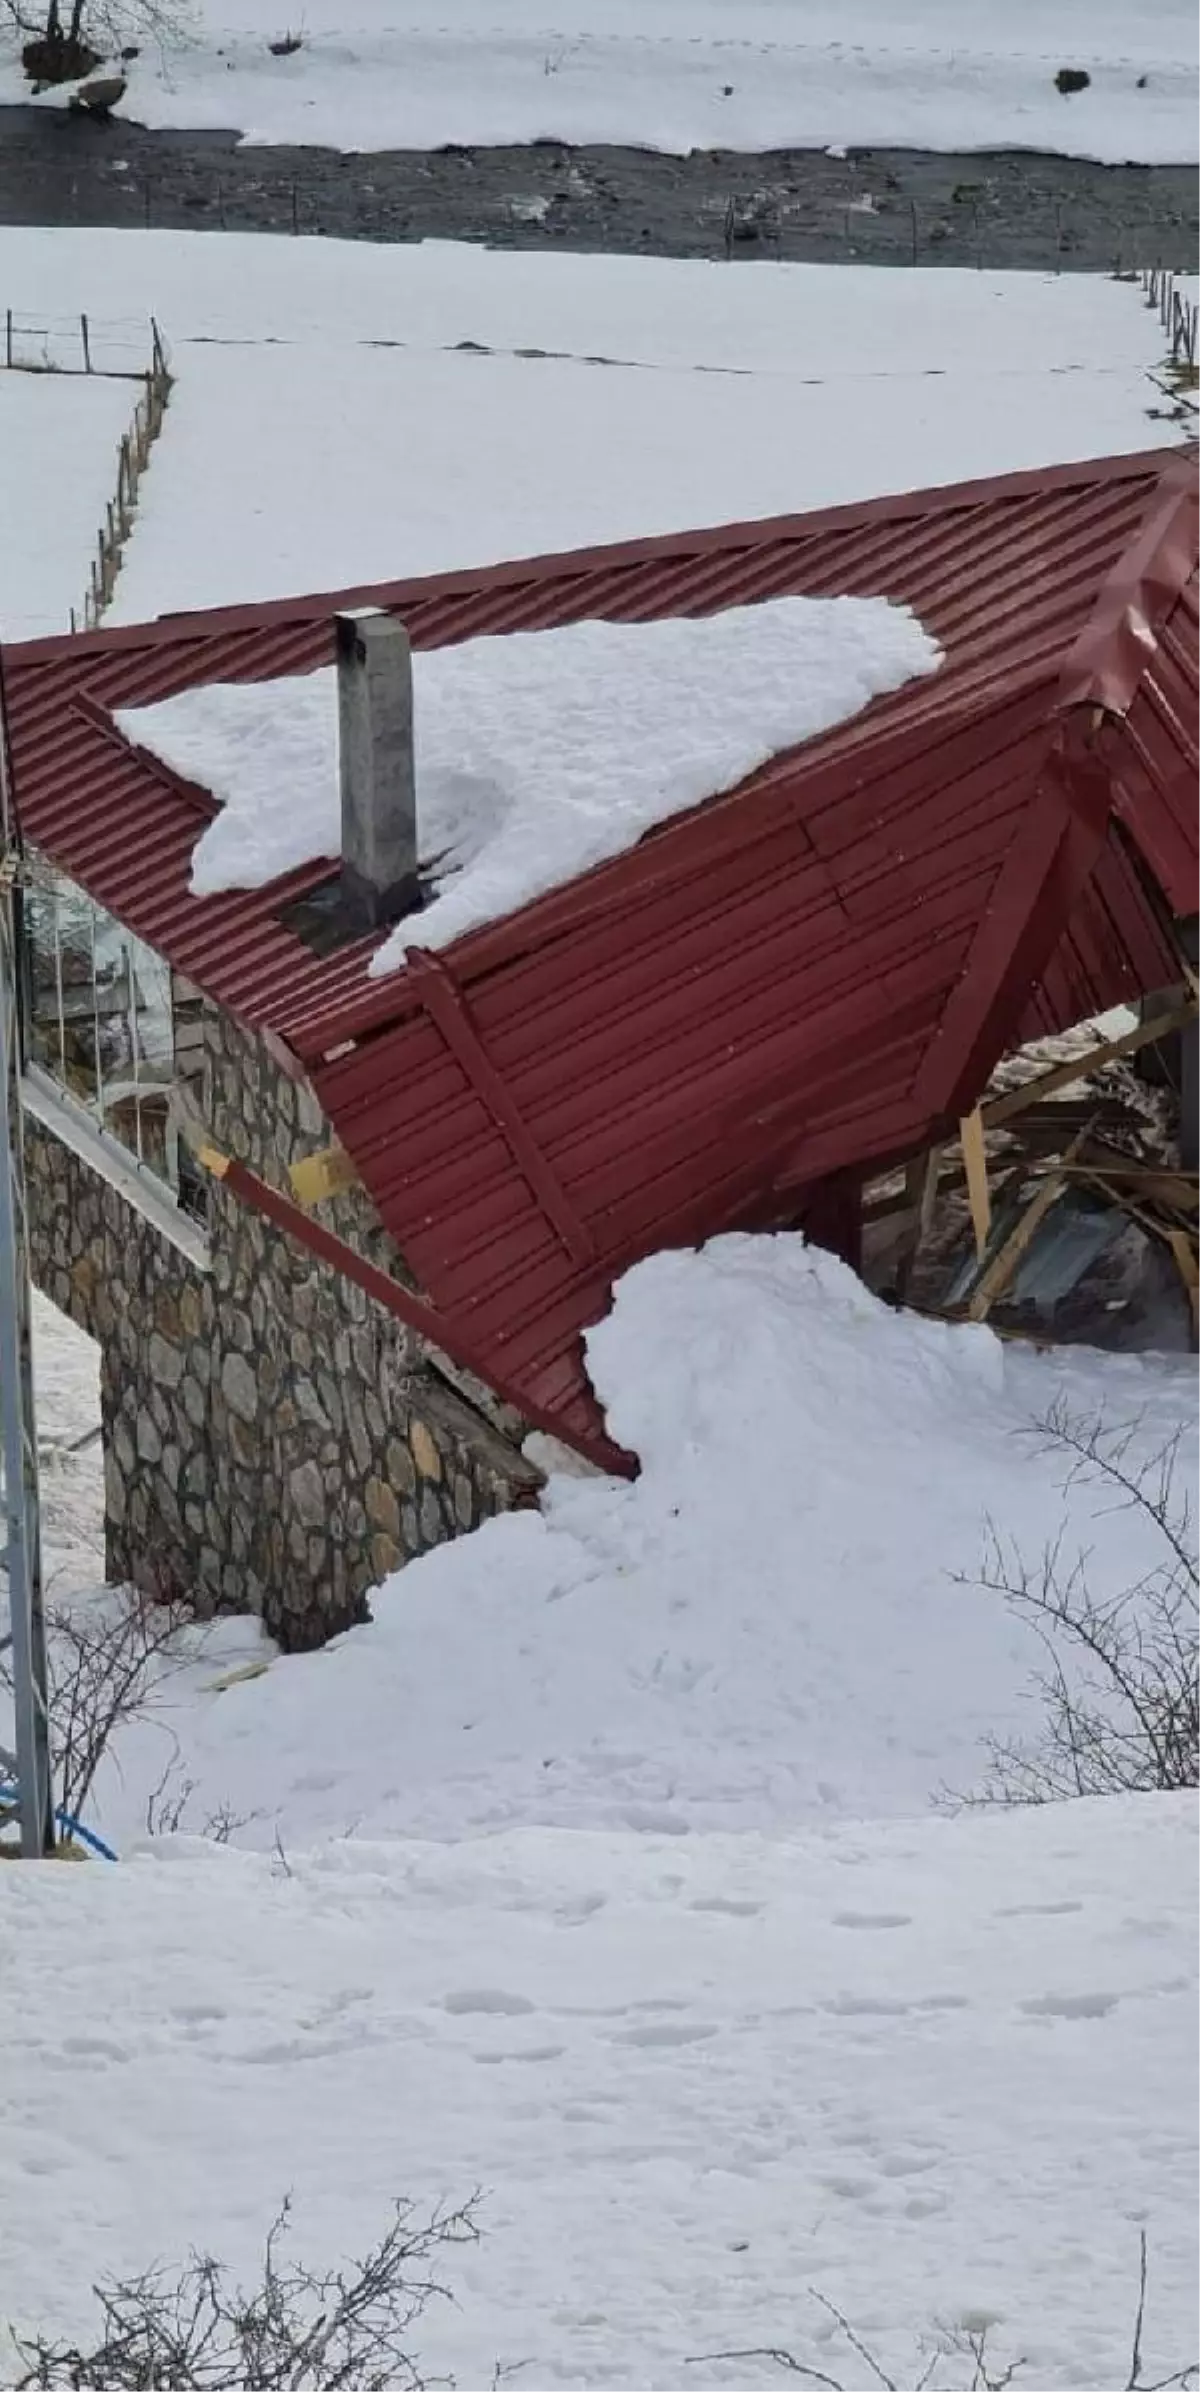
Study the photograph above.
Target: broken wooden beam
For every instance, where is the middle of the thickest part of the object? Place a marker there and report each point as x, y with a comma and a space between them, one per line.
999, 1109
974, 1153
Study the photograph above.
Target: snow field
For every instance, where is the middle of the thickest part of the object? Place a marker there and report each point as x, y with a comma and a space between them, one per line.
67, 1403
730, 394
858, 321
59, 440
940, 2070
677, 75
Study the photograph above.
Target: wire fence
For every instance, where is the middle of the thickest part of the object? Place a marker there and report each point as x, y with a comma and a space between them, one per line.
115, 346
1177, 313
133, 457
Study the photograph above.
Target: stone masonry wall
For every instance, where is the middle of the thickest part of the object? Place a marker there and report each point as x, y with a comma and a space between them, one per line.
274, 1440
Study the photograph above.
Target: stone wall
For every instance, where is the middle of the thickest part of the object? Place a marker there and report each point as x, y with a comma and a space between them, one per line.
274, 1440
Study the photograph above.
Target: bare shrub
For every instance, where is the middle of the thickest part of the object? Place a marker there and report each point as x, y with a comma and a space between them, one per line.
300, 2330
1118, 1687
169, 1808
62, 39
956, 2359
106, 1656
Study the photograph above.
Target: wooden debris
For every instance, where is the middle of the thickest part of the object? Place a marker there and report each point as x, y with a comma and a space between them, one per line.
1016, 1100
237, 1677
321, 1175
995, 1278
975, 1165
921, 1182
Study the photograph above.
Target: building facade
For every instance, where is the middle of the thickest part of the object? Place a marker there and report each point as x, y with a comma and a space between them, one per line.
274, 1440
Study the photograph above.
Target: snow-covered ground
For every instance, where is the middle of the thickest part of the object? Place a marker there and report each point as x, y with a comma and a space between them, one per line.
763, 1631
678, 74
327, 427
940, 2070
705, 2025
67, 1401
60, 436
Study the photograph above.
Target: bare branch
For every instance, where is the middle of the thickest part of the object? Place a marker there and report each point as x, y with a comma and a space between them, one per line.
962, 2343
778, 2358
302, 2330
107, 1657
1120, 1692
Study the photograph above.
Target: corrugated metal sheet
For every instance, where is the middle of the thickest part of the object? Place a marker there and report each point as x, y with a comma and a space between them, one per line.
1005, 573
798, 978
1155, 771
703, 1027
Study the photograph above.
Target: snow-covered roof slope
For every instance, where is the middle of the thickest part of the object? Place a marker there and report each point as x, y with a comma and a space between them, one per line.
538, 754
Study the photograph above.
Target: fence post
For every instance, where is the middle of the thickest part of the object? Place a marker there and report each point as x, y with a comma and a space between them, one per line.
8, 336
87, 346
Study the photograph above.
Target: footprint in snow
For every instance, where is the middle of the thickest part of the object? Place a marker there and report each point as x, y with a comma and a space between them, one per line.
487, 2001
662, 2038
1071, 2005
726, 1907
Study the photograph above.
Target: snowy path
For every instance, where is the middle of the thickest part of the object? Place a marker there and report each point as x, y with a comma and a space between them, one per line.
941, 2071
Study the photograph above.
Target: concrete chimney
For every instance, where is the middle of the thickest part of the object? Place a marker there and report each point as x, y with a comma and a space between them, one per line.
375, 755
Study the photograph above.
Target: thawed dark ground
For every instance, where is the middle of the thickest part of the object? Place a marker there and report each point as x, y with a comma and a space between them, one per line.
886, 207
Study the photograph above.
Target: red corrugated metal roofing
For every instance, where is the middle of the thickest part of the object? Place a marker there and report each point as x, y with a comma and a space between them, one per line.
801, 976
1004, 572
709, 1023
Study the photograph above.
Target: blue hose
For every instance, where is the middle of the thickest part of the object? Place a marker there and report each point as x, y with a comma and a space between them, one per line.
74, 1827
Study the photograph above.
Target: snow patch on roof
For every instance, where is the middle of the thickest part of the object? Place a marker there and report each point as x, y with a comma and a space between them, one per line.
539, 754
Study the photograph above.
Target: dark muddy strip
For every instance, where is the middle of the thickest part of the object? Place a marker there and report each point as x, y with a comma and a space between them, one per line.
883, 207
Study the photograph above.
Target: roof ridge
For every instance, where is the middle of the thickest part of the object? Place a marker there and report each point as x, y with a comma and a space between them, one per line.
758, 531
1114, 649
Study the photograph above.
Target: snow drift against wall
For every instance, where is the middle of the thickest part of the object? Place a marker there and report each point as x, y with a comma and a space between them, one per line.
763, 1630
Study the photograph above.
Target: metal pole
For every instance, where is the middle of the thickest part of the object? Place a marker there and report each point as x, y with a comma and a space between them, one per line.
21, 1558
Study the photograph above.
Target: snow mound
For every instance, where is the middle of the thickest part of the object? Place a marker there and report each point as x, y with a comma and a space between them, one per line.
762, 1630
538, 754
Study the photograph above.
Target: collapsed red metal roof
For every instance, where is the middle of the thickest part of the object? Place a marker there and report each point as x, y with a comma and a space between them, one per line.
800, 978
